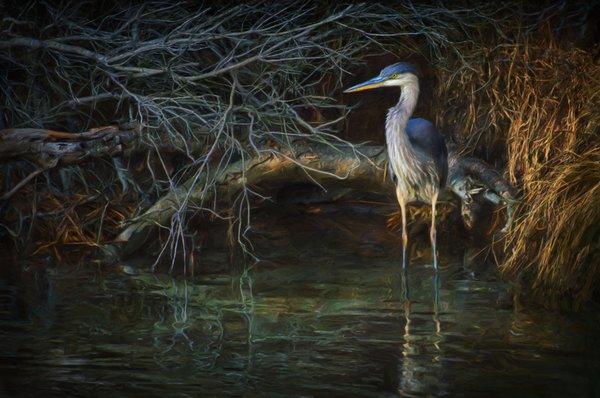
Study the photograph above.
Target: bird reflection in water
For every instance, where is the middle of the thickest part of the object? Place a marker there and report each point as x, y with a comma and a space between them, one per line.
421, 370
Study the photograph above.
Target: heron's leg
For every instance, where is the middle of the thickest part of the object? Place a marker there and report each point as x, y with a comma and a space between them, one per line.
402, 203
432, 234
405, 292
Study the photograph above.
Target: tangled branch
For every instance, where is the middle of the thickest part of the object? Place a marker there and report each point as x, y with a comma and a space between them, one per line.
214, 83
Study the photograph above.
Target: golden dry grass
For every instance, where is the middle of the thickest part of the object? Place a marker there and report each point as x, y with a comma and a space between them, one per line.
555, 244
538, 99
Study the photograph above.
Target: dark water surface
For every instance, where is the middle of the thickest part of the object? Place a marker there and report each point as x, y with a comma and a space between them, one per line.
327, 313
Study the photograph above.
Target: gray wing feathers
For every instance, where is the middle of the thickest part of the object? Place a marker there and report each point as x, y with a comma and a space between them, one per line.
425, 138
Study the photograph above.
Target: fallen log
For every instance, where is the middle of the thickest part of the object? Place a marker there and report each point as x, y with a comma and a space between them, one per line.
44, 146
340, 166
49, 148
361, 168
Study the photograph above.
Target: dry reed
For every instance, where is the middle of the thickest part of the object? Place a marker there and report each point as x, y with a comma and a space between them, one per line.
539, 98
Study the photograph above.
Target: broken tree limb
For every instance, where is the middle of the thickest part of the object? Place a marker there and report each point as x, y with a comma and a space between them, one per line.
360, 168
42, 145
50, 148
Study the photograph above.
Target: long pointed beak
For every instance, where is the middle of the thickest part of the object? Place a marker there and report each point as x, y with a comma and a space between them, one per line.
369, 84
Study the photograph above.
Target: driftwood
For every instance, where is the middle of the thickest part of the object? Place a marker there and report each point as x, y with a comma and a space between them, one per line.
46, 146
361, 168
337, 166
49, 148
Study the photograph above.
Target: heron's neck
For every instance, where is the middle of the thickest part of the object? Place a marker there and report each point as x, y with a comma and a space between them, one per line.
399, 115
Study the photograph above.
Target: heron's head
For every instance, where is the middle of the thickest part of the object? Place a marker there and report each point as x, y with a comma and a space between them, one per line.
399, 74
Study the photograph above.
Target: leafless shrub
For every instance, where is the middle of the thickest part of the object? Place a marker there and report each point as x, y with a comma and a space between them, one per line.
212, 82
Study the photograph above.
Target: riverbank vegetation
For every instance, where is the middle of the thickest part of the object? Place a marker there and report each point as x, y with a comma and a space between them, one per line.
107, 111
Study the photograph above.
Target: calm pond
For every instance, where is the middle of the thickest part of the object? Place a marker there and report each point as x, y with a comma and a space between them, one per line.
326, 312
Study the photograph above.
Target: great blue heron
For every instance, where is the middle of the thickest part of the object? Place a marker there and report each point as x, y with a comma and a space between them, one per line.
417, 154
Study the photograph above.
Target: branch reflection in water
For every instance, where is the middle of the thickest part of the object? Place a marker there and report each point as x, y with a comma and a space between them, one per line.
329, 313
